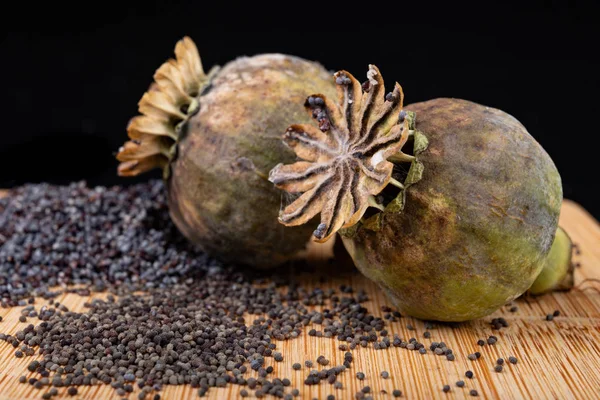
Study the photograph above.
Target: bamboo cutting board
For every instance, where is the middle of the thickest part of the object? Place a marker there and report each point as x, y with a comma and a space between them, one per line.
557, 360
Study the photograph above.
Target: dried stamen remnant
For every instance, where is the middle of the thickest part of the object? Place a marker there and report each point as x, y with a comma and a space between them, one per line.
170, 100
345, 160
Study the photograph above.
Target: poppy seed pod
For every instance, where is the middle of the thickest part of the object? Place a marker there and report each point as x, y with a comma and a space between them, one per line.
451, 207
216, 136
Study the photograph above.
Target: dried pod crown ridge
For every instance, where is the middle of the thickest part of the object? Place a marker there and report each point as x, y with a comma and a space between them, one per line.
165, 107
345, 161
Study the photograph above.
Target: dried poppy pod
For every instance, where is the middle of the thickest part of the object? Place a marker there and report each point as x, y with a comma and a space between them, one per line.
465, 202
216, 136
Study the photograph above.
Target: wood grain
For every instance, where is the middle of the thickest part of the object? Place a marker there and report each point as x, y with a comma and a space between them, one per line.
557, 360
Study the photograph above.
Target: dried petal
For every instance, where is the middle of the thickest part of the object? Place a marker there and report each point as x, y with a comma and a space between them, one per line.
143, 125
145, 147
136, 167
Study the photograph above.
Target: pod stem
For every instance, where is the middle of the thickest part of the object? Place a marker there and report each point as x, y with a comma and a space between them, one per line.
557, 272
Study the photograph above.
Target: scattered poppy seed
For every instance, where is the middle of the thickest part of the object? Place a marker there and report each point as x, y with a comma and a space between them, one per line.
472, 357
385, 374
477, 354
72, 391
331, 397
22, 318
556, 313
297, 366
338, 385
446, 388
469, 374
450, 357
500, 361
366, 389
473, 393
426, 334
481, 342
512, 360
513, 309
460, 383
360, 376
322, 360
23, 379
397, 393
422, 350
139, 249
491, 340
498, 368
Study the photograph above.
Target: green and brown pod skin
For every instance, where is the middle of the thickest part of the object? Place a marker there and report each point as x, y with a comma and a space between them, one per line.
475, 230
216, 140
467, 213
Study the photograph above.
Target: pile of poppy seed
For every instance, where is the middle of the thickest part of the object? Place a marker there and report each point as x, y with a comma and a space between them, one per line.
172, 315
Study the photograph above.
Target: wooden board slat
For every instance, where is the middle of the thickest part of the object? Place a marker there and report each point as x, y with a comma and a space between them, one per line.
557, 360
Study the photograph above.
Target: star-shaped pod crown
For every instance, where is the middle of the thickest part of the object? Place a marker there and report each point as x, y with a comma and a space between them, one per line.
344, 160
165, 108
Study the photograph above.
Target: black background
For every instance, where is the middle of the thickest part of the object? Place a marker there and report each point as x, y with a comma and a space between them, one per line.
70, 84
